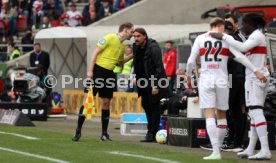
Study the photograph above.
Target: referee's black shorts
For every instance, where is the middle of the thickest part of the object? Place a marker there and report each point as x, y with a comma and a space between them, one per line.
103, 82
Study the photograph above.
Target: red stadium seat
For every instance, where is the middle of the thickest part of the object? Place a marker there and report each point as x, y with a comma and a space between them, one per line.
1, 85
3, 27
21, 24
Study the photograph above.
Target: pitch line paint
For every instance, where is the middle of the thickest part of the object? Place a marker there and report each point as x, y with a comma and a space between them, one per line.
142, 157
20, 135
33, 155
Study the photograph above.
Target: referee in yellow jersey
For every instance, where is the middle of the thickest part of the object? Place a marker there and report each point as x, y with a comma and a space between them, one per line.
109, 52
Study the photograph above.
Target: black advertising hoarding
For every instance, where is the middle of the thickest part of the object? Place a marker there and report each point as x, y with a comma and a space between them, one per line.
8, 116
14, 117
187, 132
178, 131
34, 111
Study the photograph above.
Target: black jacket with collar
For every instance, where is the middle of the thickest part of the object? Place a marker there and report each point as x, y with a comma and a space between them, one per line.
44, 60
153, 64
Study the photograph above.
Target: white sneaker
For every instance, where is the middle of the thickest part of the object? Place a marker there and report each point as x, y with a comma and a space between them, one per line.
260, 156
212, 157
245, 154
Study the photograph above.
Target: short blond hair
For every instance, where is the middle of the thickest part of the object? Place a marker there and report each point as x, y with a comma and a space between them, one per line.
216, 22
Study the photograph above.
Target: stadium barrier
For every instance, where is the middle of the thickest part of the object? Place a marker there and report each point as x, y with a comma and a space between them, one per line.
14, 117
34, 111
187, 132
122, 102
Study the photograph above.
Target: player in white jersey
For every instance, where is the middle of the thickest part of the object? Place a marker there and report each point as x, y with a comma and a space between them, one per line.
213, 84
255, 91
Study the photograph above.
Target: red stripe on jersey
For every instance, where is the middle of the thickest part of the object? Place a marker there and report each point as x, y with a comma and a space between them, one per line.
224, 51
222, 126
260, 124
257, 50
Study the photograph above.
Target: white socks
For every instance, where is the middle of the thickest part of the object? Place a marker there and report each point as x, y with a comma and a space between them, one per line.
258, 130
264, 145
253, 137
222, 126
212, 131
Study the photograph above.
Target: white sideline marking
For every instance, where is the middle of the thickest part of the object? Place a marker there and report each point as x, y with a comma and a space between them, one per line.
33, 155
19, 135
143, 157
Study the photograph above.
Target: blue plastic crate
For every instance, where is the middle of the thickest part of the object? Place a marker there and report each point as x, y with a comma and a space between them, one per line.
133, 124
133, 118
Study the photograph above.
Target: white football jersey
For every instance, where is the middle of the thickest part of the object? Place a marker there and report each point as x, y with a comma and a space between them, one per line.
73, 18
255, 50
258, 54
213, 54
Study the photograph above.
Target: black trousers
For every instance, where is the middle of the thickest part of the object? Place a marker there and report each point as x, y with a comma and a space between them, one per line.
171, 82
234, 115
152, 110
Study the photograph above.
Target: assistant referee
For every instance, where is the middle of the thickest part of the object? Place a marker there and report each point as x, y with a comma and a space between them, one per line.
109, 52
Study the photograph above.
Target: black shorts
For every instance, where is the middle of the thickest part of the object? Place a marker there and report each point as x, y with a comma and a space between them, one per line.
103, 82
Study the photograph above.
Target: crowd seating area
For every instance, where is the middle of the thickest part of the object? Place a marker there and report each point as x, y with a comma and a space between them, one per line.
20, 19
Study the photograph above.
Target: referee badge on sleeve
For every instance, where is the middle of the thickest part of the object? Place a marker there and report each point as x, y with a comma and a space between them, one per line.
102, 41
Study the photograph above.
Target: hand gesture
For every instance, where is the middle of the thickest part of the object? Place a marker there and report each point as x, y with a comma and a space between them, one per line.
195, 100
261, 76
89, 74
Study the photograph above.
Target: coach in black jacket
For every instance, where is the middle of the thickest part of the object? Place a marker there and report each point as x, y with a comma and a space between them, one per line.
39, 57
148, 64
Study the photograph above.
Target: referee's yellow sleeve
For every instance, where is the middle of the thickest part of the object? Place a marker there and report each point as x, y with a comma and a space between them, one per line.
103, 42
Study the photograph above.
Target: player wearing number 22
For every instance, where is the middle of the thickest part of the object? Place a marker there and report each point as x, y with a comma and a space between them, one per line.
213, 83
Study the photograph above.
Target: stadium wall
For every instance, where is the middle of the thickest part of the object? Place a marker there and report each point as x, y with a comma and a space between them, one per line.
172, 11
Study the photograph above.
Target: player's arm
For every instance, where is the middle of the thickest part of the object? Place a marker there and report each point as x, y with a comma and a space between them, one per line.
121, 61
239, 57
191, 61
129, 57
241, 46
192, 58
124, 60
